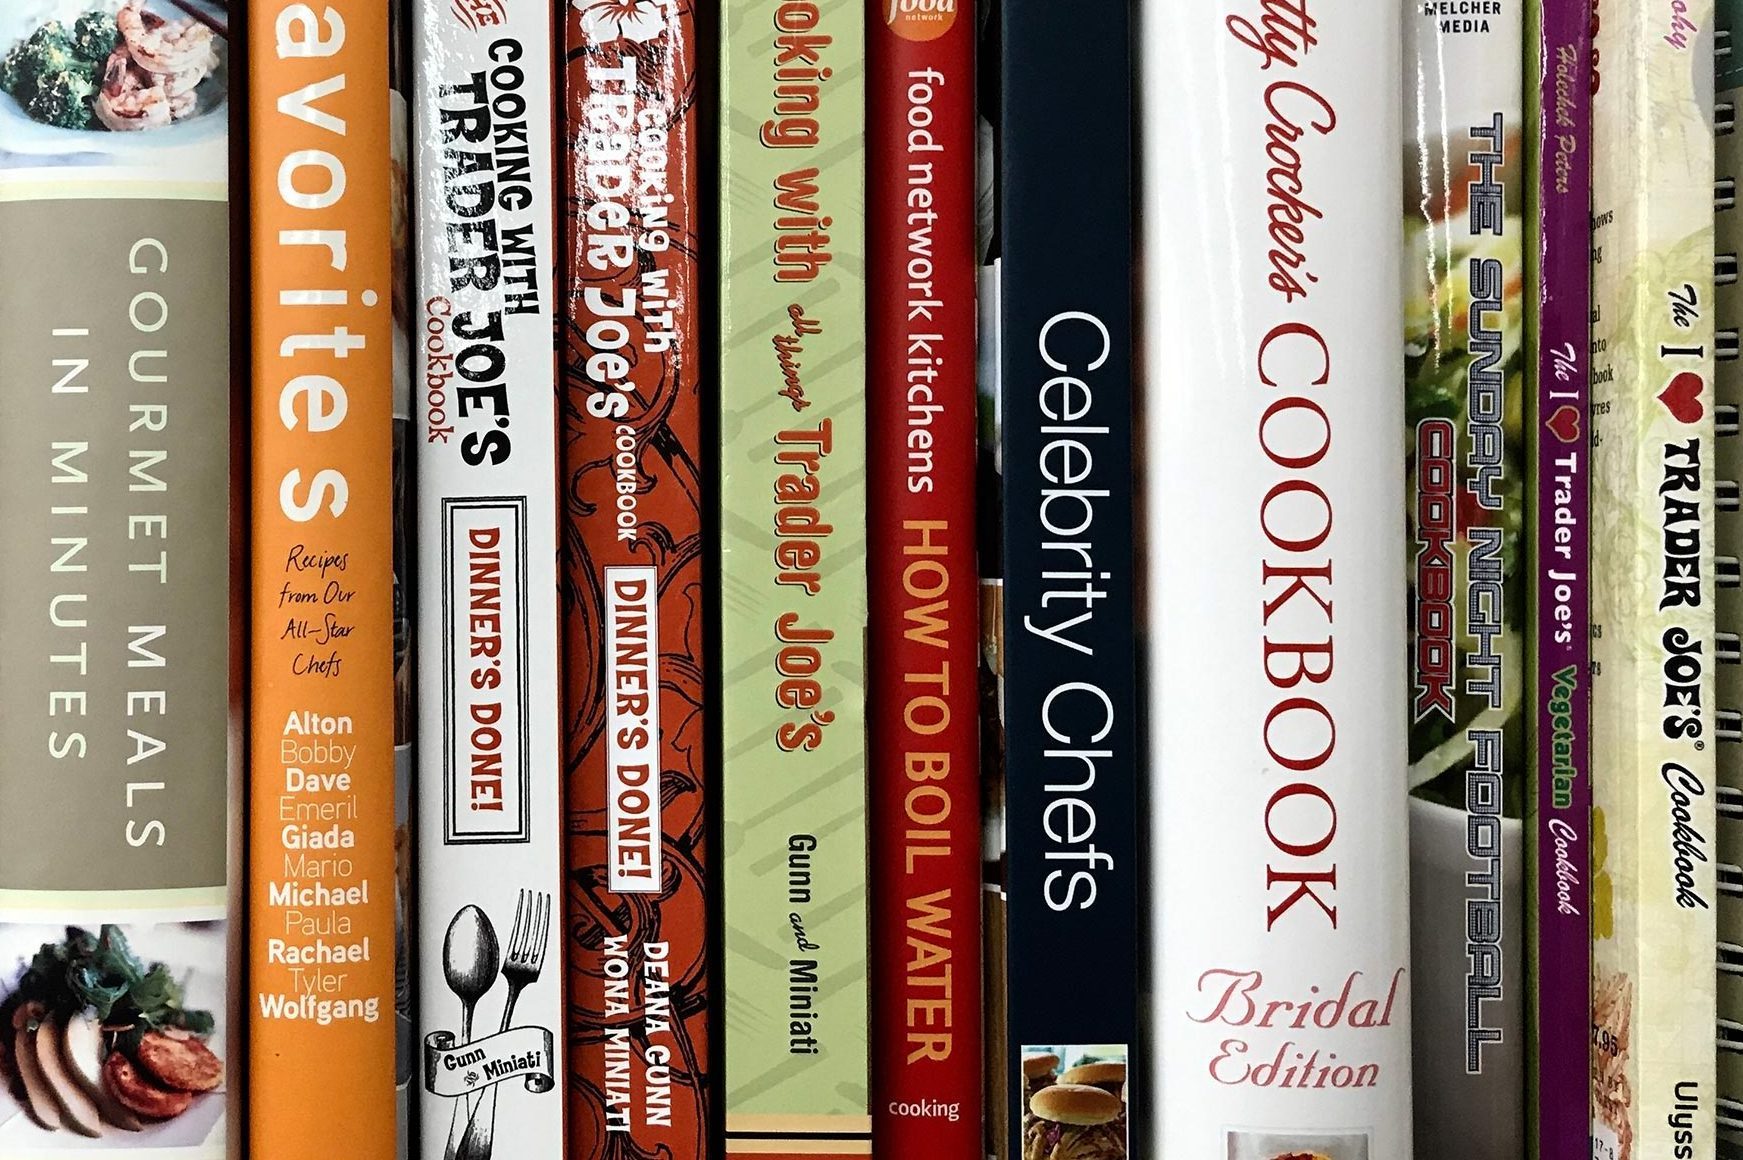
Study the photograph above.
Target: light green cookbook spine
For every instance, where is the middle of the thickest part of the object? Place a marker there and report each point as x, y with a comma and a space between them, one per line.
1654, 720
793, 575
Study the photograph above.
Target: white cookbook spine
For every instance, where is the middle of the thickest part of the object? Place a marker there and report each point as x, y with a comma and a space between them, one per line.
489, 864
1276, 586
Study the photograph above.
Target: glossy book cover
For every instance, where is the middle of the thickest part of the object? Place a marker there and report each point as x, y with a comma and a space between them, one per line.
634, 556
490, 819
1276, 580
1465, 379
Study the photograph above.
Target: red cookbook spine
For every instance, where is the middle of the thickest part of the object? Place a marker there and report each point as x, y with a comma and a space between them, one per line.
632, 558
923, 695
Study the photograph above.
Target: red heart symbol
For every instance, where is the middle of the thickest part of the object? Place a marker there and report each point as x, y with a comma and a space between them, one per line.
1565, 424
1682, 398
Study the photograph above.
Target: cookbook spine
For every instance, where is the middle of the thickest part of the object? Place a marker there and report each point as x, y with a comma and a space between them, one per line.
633, 554
792, 569
1282, 858
1465, 379
405, 722
1728, 545
490, 823
1653, 726
122, 520
1561, 799
322, 932
924, 641
1072, 764
989, 535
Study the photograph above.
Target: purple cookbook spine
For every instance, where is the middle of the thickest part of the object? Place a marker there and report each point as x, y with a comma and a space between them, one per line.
1563, 653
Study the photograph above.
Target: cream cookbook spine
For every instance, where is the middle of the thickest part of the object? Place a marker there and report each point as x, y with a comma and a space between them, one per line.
1276, 583
1654, 722
1559, 800
1728, 597
1071, 759
634, 561
792, 571
121, 464
1465, 374
489, 783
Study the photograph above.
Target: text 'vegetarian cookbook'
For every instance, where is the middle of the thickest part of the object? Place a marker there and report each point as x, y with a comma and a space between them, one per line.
1556, 427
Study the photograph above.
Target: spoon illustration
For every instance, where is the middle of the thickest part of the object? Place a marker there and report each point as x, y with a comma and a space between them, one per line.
470, 959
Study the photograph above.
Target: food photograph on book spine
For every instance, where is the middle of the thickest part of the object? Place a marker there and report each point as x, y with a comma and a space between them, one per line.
1464, 365
1077, 1102
110, 1049
73, 68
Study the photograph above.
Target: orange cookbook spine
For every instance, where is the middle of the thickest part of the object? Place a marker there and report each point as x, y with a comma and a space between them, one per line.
321, 763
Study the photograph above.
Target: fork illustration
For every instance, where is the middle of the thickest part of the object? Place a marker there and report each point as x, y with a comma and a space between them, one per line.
521, 964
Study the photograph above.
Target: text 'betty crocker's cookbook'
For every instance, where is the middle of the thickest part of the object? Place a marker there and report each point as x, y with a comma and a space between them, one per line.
1276, 497
490, 842
119, 741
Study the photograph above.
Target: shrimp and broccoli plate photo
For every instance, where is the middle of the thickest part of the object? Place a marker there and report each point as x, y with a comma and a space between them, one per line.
116, 66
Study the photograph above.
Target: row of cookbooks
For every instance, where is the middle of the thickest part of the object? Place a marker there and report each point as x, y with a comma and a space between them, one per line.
644, 579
